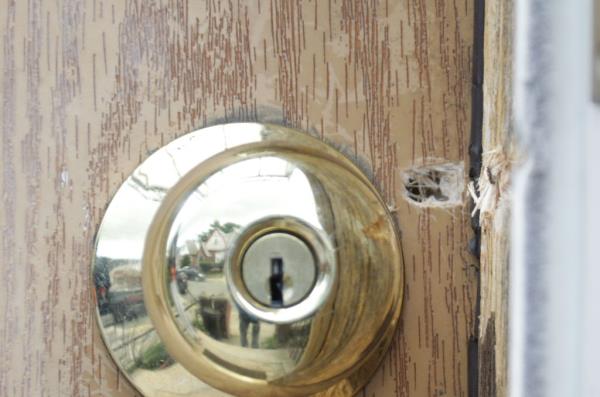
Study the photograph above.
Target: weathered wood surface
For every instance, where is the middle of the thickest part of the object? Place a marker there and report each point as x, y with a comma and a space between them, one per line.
91, 87
494, 203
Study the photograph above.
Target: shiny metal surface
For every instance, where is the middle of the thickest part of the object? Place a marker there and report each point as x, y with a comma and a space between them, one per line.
194, 241
278, 253
321, 269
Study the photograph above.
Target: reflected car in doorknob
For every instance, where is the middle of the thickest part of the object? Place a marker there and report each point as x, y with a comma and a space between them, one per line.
192, 274
125, 298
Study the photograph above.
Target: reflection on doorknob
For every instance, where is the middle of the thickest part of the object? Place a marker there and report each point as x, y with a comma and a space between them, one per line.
248, 260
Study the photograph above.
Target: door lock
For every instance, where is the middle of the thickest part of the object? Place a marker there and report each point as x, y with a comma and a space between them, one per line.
241, 259
266, 278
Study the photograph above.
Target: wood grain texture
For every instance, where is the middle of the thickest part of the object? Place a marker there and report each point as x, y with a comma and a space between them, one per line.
494, 184
91, 87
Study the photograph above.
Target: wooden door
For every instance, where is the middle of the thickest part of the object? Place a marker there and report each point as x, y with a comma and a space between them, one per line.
91, 87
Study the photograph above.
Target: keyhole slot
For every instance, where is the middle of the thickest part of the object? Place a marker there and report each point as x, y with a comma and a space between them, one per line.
278, 270
276, 282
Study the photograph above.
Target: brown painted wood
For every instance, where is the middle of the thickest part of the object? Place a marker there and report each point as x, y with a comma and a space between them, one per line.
91, 87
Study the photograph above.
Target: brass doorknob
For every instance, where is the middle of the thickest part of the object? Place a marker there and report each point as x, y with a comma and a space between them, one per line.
248, 259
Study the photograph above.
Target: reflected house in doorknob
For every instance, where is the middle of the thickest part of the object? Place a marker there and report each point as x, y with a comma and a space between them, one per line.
214, 245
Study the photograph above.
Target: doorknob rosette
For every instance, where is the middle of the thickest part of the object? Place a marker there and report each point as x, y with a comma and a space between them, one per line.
268, 262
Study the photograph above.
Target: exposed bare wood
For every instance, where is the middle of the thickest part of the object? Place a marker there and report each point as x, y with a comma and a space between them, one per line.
91, 87
494, 200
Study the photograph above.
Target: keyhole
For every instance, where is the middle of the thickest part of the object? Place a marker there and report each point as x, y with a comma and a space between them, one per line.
276, 282
279, 270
